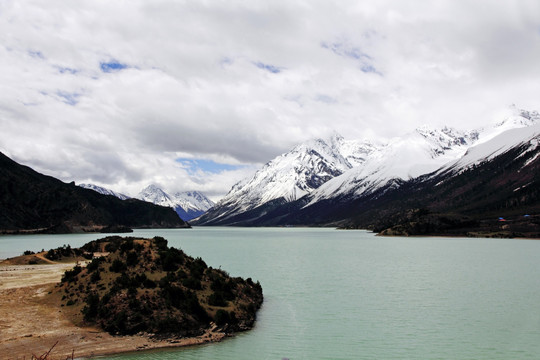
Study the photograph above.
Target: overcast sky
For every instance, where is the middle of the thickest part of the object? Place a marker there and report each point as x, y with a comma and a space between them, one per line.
196, 95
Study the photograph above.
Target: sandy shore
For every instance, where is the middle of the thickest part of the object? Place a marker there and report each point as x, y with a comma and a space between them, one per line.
30, 323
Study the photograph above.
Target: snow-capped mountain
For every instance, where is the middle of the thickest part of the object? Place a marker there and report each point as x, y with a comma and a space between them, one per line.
334, 169
187, 204
420, 152
104, 191
294, 174
191, 204
424, 151
155, 195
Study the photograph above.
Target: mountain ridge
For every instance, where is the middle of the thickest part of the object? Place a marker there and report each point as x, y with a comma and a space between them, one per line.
104, 191
33, 202
187, 204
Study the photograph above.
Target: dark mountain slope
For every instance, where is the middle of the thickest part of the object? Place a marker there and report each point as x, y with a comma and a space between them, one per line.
30, 201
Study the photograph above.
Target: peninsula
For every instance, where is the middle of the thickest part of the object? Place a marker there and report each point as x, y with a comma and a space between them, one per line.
123, 294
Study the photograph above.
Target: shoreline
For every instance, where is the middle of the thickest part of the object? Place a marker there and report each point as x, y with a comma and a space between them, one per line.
30, 324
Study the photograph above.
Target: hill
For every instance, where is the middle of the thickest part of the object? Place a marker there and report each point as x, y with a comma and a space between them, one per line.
33, 202
142, 285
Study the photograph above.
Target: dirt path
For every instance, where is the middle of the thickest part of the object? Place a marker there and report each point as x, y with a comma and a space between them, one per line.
31, 324
42, 257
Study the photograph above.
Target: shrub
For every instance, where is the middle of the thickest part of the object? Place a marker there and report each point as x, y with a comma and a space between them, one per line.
52, 255
94, 264
193, 306
197, 268
224, 287
132, 291
192, 283
132, 258
96, 276
171, 259
71, 275
161, 243
140, 278
126, 245
174, 296
117, 325
125, 282
149, 284
118, 266
111, 247
222, 317
91, 308
217, 299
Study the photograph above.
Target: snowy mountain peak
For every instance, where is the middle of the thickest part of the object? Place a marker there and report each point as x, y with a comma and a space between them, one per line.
296, 173
155, 195
188, 204
194, 200
518, 118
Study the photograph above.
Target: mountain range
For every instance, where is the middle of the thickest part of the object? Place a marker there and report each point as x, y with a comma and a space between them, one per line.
361, 183
187, 204
31, 202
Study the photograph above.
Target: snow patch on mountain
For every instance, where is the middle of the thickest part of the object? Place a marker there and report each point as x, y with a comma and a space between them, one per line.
104, 191
528, 136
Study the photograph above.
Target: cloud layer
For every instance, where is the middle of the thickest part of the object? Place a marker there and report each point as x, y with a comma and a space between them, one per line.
114, 93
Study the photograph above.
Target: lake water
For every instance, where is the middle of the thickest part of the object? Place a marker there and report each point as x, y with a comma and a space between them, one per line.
333, 294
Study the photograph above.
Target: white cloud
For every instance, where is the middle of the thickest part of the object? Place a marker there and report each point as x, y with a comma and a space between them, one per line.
113, 93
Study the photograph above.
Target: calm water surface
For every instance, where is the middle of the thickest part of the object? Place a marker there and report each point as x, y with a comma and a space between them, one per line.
333, 294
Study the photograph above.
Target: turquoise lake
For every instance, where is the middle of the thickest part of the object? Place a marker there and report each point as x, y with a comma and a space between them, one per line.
332, 294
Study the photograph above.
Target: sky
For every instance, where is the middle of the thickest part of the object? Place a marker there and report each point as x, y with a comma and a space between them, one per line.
197, 95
